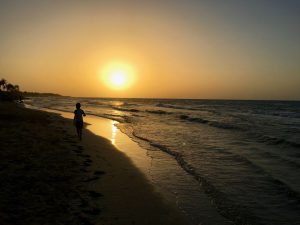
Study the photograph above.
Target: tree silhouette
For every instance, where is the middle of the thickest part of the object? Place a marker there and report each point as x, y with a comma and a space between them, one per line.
16, 88
3, 84
10, 87
9, 91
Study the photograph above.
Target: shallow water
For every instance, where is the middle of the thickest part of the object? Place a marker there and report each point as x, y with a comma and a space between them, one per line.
237, 158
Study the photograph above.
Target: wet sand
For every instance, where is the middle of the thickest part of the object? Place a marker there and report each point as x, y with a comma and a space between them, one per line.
47, 176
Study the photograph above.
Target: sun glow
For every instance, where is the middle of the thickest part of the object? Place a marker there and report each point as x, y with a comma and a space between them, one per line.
118, 75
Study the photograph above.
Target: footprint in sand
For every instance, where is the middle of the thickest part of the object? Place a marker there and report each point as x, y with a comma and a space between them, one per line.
84, 170
77, 151
91, 179
95, 194
69, 139
99, 172
83, 155
84, 203
85, 164
92, 211
88, 161
85, 221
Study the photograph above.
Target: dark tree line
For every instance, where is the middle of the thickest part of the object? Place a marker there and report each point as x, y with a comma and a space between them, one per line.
12, 92
9, 91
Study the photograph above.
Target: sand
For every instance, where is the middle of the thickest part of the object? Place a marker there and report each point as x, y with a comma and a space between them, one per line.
47, 176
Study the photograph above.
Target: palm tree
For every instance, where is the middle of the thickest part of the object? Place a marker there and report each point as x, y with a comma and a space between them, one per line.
8, 91
3, 84
10, 87
16, 88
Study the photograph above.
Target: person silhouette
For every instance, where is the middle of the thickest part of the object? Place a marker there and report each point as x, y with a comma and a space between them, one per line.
78, 120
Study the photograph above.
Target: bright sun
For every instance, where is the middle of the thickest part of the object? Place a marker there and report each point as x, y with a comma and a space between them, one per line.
118, 78
118, 75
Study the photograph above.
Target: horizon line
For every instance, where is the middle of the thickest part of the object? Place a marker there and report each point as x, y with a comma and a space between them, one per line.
169, 98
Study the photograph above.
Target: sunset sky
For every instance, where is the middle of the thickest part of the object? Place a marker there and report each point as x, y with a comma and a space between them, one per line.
224, 49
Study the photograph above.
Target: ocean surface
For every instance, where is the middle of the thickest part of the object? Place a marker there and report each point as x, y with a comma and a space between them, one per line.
243, 155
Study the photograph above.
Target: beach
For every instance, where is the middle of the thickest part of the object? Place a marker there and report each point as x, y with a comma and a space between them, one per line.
50, 177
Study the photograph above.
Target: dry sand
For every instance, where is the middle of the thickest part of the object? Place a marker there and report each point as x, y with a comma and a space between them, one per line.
49, 177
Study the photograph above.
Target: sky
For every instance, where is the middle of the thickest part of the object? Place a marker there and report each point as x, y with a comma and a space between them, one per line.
206, 49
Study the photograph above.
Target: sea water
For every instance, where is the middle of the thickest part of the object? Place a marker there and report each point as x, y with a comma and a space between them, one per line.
243, 156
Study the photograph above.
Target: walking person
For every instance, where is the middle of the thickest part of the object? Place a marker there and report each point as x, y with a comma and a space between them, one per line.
78, 119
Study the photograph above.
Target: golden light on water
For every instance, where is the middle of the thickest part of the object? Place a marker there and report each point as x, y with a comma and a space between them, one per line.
114, 130
118, 75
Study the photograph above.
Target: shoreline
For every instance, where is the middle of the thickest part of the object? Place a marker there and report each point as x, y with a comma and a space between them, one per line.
104, 187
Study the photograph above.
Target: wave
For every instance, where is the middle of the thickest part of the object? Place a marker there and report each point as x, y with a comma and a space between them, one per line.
93, 102
225, 206
128, 104
230, 209
223, 125
118, 118
160, 112
175, 106
125, 109
286, 114
289, 162
271, 140
210, 123
193, 119
140, 137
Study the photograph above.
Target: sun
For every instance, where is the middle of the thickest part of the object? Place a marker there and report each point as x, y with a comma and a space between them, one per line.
118, 75
118, 78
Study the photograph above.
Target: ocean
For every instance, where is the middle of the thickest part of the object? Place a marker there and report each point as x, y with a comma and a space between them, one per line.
244, 156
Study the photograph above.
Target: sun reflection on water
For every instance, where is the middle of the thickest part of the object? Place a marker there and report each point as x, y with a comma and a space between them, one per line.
114, 130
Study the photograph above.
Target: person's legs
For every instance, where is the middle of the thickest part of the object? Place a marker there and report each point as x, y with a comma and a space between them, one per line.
79, 126
80, 134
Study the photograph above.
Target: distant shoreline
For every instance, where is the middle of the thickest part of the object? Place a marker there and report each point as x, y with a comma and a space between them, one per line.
38, 94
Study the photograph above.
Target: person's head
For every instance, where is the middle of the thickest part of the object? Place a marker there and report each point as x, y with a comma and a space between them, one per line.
78, 105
